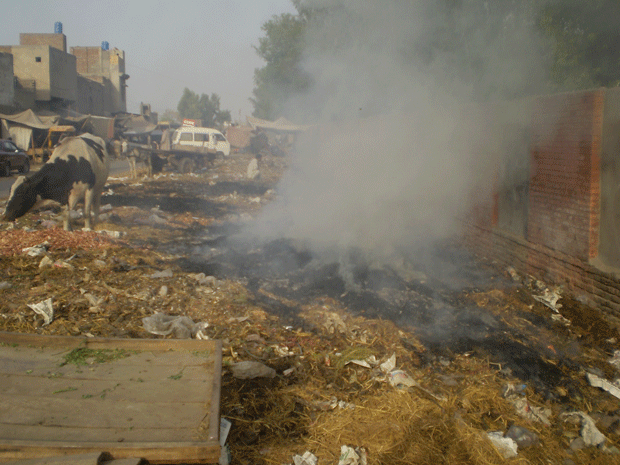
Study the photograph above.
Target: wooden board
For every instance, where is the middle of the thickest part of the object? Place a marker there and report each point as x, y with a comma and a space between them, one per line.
157, 399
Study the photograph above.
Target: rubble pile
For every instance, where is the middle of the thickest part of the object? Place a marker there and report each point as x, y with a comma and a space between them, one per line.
410, 372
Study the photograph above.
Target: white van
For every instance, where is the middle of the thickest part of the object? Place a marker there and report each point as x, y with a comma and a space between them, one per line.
198, 139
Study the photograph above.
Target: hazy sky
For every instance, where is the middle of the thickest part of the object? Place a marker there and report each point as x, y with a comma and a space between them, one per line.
205, 45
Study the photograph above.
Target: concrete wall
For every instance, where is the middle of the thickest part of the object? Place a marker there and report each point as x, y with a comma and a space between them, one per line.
90, 96
53, 70
7, 79
58, 41
93, 62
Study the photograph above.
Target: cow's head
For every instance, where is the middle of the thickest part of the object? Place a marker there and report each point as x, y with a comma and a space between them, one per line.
22, 198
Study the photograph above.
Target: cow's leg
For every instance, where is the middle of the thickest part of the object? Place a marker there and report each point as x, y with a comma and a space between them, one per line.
132, 167
149, 164
89, 200
73, 198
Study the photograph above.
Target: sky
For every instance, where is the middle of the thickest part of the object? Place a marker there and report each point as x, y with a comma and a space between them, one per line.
204, 45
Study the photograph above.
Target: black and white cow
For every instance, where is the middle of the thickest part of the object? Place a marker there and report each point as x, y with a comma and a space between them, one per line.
78, 168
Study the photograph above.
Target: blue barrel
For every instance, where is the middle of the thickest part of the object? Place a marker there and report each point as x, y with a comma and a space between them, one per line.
105, 45
58, 27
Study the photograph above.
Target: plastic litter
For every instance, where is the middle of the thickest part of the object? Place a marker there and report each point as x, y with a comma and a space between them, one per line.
45, 309
251, 370
506, 446
615, 360
605, 385
162, 274
5, 285
389, 364
399, 379
522, 436
589, 432
225, 456
181, 327
36, 250
351, 456
550, 299
526, 410
307, 459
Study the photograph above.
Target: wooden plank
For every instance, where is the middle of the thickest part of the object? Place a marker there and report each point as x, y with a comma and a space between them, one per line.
114, 434
159, 400
169, 390
158, 453
77, 459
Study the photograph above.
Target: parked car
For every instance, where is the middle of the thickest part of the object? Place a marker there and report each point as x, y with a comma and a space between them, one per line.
12, 158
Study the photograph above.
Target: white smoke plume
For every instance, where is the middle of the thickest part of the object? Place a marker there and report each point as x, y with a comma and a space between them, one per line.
401, 147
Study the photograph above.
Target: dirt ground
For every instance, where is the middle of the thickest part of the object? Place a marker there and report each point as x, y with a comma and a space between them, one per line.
477, 352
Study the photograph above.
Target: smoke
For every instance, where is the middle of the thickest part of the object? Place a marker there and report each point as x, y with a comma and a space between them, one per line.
402, 145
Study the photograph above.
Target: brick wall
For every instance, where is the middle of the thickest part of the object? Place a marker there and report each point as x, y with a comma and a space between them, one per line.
565, 172
560, 243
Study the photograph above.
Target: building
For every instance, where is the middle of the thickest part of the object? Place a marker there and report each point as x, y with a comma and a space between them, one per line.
106, 67
7, 82
39, 74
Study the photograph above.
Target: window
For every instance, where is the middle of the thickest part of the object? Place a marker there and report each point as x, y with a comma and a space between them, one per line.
198, 137
186, 137
37, 59
220, 137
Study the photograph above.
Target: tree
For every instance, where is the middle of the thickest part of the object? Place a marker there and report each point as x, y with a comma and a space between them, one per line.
169, 115
203, 107
585, 42
282, 76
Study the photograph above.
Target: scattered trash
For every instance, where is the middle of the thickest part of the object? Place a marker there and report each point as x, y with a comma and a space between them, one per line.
5, 285
45, 261
512, 389
506, 446
615, 360
162, 274
351, 456
307, 459
522, 436
204, 280
605, 385
251, 370
389, 364
550, 298
181, 327
333, 403
560, 319
525, 410
513, 274
400, 379
334, 323
36, 250
225, 456
113, 234
589, 432
45, 309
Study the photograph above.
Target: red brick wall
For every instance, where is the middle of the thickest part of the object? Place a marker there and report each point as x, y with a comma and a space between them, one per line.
565, 172
563, 219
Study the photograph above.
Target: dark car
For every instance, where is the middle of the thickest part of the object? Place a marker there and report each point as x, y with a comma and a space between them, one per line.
12, 158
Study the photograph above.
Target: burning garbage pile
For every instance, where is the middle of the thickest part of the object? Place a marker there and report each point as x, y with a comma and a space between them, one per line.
441, 360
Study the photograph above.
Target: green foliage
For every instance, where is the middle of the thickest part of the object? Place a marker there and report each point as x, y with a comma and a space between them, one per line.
203, 107
282, 76
585, 42
170, 116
